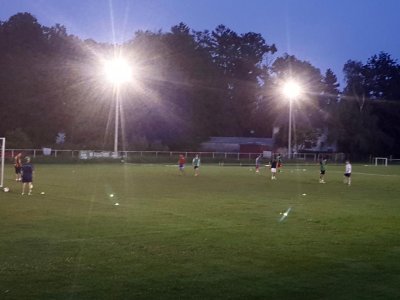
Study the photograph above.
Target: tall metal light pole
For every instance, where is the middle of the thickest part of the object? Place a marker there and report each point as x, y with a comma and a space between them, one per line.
290, 129
117, 72
292, 90
116, 122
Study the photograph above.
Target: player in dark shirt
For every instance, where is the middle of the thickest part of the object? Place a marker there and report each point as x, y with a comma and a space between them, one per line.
279, 159
274, 164
17, 166
322, 166
27, 171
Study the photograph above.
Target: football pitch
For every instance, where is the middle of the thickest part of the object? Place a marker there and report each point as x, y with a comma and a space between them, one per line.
222, 235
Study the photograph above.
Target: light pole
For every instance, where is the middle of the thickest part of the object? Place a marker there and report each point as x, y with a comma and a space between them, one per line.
117, 72
292, 90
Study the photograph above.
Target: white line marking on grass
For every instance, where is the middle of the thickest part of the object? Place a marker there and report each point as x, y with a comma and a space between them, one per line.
139, 164
369, 174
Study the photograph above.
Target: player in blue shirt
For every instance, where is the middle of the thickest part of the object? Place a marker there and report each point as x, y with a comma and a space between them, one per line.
27, 171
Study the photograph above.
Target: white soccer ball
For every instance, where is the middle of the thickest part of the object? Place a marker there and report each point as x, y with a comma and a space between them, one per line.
116, 204
6, 189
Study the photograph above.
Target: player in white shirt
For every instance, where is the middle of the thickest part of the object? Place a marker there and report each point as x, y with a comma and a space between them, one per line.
258, 161
347, 173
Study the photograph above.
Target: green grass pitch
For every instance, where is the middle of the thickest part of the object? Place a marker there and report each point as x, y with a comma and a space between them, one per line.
216, 236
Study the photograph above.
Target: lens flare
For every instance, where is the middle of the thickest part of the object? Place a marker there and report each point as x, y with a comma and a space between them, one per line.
291, 89
118, 71
285, 214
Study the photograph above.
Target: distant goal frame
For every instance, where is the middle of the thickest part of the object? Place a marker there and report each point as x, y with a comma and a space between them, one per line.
2, 160
384, 159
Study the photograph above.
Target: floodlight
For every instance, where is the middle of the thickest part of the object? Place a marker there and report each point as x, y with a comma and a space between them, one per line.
291, 89
117, 71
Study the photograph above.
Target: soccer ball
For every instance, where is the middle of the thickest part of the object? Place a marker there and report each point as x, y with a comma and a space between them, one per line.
6, 189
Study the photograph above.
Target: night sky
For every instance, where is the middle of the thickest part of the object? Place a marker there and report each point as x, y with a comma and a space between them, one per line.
326, 33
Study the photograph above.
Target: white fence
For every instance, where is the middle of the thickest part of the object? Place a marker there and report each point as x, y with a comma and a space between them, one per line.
163, 155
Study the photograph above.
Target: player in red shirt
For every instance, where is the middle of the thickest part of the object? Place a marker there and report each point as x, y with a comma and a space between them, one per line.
181, 163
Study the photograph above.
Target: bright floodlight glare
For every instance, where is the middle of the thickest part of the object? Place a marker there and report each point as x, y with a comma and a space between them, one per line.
291, 89
118, 71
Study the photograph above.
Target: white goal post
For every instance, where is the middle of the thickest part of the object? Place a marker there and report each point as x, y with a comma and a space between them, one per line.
2, 156
381, 161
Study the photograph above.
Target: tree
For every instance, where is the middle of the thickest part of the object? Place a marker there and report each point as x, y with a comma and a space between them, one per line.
330, 90
17, 139
382, 77
358, 132
22, 33
239, 57
362, 117
182, 81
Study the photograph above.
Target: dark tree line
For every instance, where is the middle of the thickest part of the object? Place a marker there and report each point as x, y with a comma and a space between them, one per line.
188, 85
367, 116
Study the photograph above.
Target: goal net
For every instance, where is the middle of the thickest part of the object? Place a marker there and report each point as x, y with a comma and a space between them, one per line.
381, 161
2, 156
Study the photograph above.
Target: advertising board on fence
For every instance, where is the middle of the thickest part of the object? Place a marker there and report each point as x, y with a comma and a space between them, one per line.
267, 154
46, 151
96, 154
